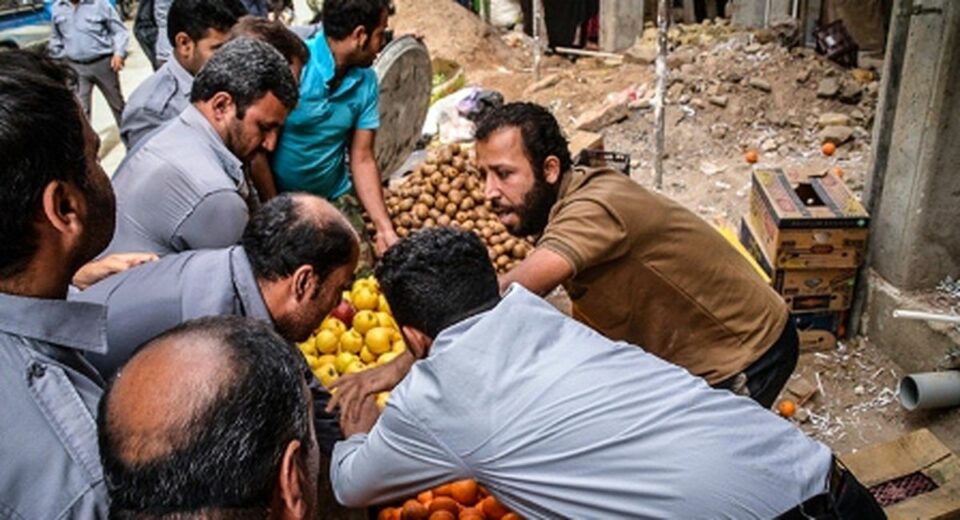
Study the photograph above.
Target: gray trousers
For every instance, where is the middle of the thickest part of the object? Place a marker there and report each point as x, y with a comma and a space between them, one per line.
100, 74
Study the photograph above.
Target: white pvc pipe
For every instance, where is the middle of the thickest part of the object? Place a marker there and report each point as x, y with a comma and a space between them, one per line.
930, 390
926, 316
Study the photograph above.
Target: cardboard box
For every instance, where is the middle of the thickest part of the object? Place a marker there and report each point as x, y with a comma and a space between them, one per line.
834, 322
811, 222
804, 290
917, 456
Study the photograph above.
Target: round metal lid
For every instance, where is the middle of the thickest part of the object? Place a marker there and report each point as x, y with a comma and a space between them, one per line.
403, 69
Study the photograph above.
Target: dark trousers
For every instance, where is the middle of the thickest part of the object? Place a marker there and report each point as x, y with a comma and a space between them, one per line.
99, 73
765, 378
847, 499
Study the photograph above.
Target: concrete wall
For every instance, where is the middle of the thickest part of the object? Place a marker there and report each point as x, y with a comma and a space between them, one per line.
621, 21
916, 235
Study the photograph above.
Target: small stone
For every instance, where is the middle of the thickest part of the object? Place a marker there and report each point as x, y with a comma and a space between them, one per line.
604, 115
543, 84
836, 135
863, 76
684, 99
859, 390
642, 54
804, 76
677, 59
858, 114
760, 84
720, 101
768, 145
802, 415
719, 131
640, 104
699, 103
851, 93
833, 119
753, 48
828, 88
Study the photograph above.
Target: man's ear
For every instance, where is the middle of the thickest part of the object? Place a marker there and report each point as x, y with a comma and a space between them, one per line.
360, 36
304, 283
62, 204
551, 169
417, 341
183, 41
290, 486
224, 109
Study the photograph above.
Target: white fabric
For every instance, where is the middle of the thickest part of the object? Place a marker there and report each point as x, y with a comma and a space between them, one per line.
558, 421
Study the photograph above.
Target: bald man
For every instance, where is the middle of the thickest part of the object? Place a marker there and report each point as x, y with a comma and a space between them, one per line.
296, 253
230, 435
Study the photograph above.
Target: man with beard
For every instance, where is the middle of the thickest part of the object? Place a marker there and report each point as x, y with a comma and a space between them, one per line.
637, 266
185, 187
338, 107
211, 420
197, 28
58, 212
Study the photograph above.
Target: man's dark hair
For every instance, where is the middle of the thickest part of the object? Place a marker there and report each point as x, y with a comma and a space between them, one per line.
41, 141
281, 236
539, 129
276, 34
196, 17
341, 17
225, 455
247, 69
437, 277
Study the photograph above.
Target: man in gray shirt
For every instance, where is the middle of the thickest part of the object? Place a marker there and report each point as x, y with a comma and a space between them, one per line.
558, 421
184, 188
197, 28
58, 214
296, 254
90, 35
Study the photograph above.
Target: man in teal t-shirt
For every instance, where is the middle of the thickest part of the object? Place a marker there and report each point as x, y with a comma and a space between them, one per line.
338, 113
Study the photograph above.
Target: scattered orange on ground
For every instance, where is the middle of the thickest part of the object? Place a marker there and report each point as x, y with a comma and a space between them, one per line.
828, 148
787, 408
464, 491
752, 156
838, 171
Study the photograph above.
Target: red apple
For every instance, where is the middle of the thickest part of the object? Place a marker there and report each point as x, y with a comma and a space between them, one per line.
344, 312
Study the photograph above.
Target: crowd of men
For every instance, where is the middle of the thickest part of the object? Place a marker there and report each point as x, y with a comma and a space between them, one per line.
146, 321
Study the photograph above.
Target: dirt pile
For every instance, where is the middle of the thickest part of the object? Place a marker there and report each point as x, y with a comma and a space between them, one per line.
450, 31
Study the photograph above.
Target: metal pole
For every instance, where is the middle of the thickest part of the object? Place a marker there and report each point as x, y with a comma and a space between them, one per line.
659, 98
538, 47
926, 316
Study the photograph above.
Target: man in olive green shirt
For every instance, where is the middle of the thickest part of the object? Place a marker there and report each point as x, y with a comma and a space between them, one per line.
638, 266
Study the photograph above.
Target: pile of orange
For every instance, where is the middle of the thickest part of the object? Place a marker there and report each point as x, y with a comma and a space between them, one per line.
460, 500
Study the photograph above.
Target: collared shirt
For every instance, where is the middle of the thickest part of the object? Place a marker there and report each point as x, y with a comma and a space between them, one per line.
650, 272
49, 461
89, 30
161, 11
558, 421
156, 296
311, 151
160, 98
181, 189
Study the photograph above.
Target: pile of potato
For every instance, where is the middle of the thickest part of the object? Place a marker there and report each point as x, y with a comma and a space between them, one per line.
447, 190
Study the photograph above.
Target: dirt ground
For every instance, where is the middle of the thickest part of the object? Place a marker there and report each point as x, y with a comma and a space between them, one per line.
730, 91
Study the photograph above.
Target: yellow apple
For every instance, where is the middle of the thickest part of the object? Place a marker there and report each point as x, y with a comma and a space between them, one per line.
383, 306
308, 347
327, 359
386, 321
365, 299
386, 358
382, 399
364, 321
344, 359
333, 325
356, 366
366, 356
327, 374
351, 341
326, 342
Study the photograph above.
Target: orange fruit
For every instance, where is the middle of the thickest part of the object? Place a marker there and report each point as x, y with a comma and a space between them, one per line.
444, 504
464, 491
838, 171
828, 148
470, 513
511, 516
442, 515
484, 492
425, 498
389, 513
787, 408
442, 491
413, 510
493, 508
752, 156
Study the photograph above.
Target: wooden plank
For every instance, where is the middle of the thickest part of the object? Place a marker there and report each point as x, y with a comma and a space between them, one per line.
913, 452
940, 504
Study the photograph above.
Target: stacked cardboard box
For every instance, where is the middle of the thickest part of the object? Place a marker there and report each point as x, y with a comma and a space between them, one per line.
809, 233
